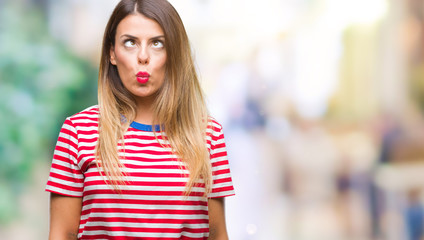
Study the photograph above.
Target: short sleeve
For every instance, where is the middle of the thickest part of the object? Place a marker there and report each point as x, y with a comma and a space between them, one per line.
222, 182
65, 176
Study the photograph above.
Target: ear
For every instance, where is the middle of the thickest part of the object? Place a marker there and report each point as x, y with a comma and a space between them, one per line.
112, 55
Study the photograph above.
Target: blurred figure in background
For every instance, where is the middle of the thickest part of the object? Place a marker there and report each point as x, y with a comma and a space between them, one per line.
414, 215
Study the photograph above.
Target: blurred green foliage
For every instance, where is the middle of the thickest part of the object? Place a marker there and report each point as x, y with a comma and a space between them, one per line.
41, 82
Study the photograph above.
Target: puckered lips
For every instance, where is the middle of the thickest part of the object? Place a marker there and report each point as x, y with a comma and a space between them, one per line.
143, 77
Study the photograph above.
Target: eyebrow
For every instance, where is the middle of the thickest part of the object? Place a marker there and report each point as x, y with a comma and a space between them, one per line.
134, 37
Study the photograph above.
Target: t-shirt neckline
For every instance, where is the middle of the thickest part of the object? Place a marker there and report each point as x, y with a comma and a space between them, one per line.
145, 127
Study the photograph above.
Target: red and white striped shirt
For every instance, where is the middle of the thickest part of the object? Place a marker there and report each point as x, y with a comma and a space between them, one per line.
152, 204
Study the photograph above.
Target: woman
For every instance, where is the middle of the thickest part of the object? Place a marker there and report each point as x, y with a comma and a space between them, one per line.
147, 162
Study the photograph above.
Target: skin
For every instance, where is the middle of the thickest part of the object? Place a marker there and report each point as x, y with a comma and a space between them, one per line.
139, 46
65, 215
217, 225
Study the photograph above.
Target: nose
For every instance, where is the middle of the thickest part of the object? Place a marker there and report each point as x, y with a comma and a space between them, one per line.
143, 56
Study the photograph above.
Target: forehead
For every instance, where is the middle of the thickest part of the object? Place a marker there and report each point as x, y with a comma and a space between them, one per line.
138, 25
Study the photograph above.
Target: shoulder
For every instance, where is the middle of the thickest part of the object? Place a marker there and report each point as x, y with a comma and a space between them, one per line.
214, 126
86, 116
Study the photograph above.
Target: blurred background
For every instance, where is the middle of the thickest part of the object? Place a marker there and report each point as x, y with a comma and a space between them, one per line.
322, 104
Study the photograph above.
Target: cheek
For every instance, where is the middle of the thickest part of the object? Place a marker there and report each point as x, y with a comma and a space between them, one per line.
124, 60
162, 63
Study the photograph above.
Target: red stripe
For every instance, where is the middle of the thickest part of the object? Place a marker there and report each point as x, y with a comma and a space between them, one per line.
223, 189
142, 192
103, 236
142, 174
69, 132
94, 118
65, 187
220, 154
87, 148
87, 140
141, 151
223, 180
150, 144
143, 159
146, 220
220, 163
65, 150
87, 124
67, 141
148, 202
65, 169
66, 178
172, 167
142, 137
219, 172
146, 230
140, 183
88, 132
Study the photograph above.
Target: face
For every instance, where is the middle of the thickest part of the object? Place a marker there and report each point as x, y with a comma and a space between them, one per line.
140, 56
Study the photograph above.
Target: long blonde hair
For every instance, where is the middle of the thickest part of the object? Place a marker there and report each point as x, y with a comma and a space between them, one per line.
179, 106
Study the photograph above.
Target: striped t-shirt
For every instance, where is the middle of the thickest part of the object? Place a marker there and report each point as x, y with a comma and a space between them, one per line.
152, 204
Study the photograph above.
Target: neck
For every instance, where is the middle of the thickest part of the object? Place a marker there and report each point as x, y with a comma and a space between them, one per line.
144, 111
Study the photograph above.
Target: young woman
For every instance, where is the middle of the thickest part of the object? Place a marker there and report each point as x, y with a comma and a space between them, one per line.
147, 162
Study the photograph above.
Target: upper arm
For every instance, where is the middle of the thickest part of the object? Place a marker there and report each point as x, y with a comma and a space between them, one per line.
65, 213
222, 182
217, 225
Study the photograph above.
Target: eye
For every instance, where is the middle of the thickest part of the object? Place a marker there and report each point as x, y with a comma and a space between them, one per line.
157, 44
129, 43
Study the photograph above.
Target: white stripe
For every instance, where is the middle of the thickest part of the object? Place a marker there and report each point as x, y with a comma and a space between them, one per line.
216, 126
148, 216
158, 171
66, 182
65, 155
220, 150
88, 119
142, 179
219, 141
66, 146
219, 159
65, 164
67, 174
143, 133
148, 225
87, 128
172, 162
145, 206
220, 167
87, 144
150, 148
221, 194
67, 136
224, 184
88, 137
132, 234
87, 114
221, 176
121, 197
142, 188
149, 156
64, 191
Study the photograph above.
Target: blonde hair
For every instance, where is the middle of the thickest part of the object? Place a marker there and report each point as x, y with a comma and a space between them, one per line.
179, 106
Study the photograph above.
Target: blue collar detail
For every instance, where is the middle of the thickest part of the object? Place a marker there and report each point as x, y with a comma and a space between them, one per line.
145, 127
